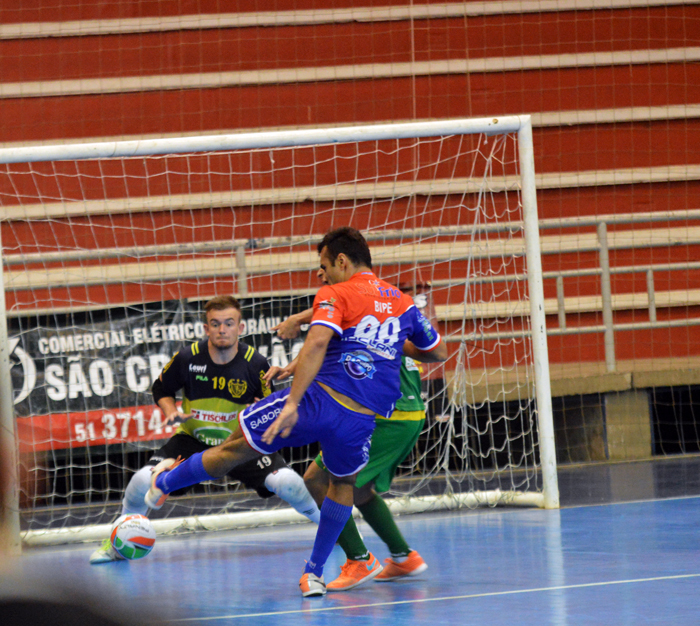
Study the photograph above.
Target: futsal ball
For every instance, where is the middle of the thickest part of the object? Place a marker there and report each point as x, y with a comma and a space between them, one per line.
133, 536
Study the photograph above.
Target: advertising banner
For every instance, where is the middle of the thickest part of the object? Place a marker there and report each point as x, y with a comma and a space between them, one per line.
85, 379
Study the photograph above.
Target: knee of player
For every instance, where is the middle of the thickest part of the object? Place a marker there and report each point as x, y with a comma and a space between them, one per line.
233, 441
310, 478
286, 484
315, 475
343, 480
232, 451
363, 495
141, 479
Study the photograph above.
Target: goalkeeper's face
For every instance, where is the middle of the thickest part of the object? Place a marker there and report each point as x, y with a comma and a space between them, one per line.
223, 328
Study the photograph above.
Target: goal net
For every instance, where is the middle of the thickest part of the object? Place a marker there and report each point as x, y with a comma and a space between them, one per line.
110, 251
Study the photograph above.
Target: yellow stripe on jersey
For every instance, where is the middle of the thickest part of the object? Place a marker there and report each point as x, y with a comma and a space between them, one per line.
249, 353
403, 416
195, 348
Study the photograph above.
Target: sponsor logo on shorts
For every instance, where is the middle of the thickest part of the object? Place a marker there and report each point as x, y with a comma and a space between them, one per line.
365, 449
268, 417
358, 364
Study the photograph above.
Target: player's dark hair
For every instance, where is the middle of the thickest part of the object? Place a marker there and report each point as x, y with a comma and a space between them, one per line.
219, 303
348, 241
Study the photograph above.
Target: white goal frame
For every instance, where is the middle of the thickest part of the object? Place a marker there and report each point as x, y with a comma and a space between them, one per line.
520, 125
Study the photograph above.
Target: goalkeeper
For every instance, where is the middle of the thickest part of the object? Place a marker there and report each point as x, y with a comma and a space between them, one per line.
392, 442
219, 376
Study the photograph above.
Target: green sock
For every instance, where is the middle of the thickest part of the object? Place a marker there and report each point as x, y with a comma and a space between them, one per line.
351, 542
377, 514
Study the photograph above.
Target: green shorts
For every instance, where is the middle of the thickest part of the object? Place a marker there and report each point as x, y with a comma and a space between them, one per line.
392, 441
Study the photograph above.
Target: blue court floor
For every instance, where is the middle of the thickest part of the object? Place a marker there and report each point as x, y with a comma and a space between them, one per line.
624, 563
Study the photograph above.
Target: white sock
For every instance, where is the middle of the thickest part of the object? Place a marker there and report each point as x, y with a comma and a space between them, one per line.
136, 491
289, 486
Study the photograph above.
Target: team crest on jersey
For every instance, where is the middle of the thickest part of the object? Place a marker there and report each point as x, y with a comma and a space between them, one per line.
358, 364
264, 385
328, 306
237, 387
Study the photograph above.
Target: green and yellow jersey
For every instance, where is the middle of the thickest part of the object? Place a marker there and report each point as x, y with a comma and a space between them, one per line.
212, 393
410, 399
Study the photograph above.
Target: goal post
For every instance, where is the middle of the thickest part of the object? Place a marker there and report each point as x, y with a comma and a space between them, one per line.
10, 543
537, 319
110, 250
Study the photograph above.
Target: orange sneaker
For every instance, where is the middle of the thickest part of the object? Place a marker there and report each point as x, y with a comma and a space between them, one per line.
412, 566
355, 573
312, 585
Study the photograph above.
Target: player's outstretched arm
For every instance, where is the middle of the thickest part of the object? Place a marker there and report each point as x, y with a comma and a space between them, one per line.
291, 327
309, 363
281, 373
437, 355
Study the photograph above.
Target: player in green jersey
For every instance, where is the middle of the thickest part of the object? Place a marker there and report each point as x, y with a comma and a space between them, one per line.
218, 376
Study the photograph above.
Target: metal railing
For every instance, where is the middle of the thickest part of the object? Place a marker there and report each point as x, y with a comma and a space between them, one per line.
605, 271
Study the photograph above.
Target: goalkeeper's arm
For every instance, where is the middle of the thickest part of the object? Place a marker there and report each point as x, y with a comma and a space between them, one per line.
166, 402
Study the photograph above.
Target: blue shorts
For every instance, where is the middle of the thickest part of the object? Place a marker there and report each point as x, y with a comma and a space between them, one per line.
345, 435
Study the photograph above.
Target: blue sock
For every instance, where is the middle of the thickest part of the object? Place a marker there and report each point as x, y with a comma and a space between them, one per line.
189, 472
334, 516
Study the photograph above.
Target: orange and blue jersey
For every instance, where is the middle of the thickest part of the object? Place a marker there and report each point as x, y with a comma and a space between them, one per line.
371, 319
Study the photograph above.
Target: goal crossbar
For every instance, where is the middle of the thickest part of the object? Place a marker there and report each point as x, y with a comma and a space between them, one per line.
274, 139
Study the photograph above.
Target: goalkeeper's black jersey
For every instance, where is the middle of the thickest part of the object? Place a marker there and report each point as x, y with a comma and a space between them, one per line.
212, 393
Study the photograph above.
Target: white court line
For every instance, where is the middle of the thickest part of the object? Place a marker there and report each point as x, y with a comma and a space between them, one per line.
467, 597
